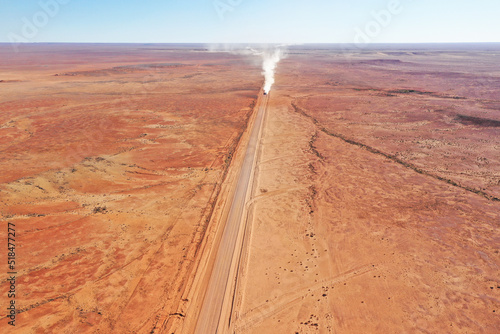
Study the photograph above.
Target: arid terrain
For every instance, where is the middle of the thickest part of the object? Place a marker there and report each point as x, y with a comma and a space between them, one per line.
375, 198
376, 207
112, 158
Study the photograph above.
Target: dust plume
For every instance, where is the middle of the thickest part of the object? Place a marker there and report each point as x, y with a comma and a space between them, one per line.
269, 55
269, 63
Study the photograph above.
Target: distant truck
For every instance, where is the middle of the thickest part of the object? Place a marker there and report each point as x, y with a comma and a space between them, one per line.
265, 93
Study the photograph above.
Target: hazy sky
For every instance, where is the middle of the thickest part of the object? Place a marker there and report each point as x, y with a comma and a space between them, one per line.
256, 21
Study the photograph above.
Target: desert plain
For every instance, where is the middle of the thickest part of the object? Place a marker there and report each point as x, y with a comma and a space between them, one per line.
374, 204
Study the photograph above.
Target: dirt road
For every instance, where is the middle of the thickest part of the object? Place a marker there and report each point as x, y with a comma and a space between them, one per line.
221, 278
344, 238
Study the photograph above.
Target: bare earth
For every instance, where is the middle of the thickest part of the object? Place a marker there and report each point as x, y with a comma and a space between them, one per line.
112, 158
376, 208
375, 202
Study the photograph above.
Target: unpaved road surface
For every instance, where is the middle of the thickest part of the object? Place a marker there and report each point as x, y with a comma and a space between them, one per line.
110, 184
208, 321
373, 208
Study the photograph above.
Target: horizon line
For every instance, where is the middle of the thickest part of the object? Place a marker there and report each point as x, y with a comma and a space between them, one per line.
251, 43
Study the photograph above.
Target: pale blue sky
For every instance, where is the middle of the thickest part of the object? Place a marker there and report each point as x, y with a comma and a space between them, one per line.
255, 21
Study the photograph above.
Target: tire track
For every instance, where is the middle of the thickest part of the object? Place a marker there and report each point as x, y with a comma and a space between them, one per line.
214, 306
268, 309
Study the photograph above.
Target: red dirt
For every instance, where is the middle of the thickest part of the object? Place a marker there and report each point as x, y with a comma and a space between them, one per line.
376, 202
111, 159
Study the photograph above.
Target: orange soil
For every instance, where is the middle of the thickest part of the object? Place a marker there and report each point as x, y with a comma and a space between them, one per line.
376, 204
112, 158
